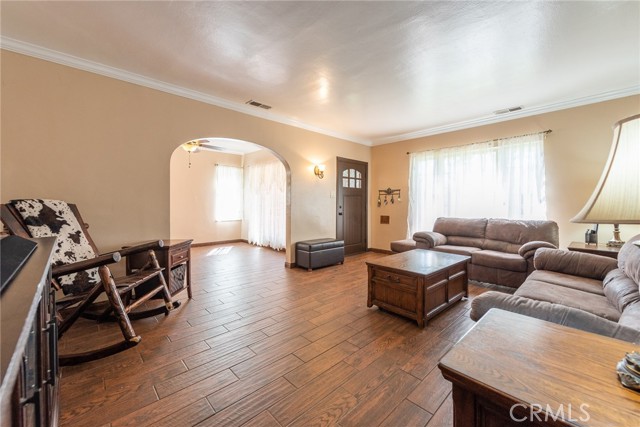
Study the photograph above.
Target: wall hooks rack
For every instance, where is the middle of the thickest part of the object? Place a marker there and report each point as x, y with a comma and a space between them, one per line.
390, 195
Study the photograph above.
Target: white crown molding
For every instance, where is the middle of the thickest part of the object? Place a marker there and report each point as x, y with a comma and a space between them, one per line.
137, 79
526, 112
116, 73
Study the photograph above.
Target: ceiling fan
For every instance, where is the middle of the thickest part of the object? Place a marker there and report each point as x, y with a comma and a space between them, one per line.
196, 145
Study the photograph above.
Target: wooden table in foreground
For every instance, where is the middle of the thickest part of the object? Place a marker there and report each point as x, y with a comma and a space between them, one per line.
513, 370
175, 258
603, 250
417, 284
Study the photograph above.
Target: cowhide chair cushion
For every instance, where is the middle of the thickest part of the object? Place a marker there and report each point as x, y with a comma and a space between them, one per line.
47, 218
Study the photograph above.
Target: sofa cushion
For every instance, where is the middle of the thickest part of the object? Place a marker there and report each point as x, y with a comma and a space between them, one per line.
585, 284
574, 263
502, 246
620, 289
520, 232
460, 250
505, 261
631, 316
629, 259
550, 312
467, 227
592, 303
465, 241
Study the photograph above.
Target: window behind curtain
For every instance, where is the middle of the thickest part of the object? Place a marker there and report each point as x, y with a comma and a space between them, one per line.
496, 179
228, 193
266, 204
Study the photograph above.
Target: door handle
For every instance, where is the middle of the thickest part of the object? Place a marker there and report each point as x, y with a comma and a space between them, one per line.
339, 210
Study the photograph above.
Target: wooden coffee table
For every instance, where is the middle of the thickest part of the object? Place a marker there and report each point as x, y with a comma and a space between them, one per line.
511, 370
417, 284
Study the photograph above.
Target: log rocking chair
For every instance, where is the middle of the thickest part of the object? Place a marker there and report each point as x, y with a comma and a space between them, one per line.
82, 275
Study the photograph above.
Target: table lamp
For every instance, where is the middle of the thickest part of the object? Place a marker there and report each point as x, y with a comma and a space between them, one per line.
616, 198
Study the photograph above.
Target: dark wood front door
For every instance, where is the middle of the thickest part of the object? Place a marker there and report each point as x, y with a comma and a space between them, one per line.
351, 204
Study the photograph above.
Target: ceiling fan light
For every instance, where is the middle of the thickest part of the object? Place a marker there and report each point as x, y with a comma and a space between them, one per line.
191, 147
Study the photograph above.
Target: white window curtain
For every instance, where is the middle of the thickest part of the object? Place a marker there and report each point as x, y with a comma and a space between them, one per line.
228, 193
265, 201
497, 179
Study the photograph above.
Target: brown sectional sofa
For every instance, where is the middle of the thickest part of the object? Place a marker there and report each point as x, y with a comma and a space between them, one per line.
581, 290
501, 250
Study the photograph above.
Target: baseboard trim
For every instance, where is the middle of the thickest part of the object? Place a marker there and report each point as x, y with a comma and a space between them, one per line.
221, 242
290, 264
381, 251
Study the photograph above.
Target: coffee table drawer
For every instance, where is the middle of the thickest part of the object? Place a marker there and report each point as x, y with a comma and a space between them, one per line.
392, 277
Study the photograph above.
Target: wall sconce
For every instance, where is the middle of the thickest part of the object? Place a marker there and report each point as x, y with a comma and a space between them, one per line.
388, 192
319, 171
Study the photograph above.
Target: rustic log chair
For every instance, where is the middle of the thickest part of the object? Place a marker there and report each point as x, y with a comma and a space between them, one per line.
74, 272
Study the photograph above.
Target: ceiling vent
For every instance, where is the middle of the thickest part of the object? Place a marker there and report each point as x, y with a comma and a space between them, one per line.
508, 110
258, 104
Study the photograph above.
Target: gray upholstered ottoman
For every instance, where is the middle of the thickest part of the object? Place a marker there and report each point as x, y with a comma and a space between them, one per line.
317, 253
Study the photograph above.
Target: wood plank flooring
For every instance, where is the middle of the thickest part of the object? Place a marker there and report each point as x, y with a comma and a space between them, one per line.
263, 345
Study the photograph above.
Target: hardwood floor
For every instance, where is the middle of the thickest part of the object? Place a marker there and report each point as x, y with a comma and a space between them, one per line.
263, 345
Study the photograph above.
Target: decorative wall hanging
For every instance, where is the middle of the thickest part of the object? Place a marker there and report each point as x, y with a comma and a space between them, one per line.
390, 195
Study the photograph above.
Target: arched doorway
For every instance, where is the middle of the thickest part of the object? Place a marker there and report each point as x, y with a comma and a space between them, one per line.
195, 201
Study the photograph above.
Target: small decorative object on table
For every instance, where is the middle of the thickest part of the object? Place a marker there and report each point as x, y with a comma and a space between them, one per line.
629, 371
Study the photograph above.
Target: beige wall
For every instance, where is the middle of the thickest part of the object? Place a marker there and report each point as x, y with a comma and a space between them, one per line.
192, 197
575, 154
106, 145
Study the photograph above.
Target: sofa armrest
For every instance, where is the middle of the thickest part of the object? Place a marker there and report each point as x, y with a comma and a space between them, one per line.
574, 263
529, 249
556, 313
429, 239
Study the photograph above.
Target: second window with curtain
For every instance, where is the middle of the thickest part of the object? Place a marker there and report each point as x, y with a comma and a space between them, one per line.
500, 179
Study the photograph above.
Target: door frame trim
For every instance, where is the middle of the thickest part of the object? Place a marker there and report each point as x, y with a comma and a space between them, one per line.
366, 204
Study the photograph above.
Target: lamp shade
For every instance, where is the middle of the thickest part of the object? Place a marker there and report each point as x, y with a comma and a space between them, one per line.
616, 198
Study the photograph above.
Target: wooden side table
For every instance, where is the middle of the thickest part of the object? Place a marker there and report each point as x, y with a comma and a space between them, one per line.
512, 370
175, 258
604, 250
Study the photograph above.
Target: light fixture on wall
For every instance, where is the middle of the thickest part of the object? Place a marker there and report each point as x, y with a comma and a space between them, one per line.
616, 198
392, 192
319, 171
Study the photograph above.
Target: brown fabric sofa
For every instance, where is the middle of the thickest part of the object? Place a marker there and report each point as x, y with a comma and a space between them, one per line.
501, 250
589, 292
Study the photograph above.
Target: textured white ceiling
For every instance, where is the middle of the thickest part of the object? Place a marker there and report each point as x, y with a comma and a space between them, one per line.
372, 72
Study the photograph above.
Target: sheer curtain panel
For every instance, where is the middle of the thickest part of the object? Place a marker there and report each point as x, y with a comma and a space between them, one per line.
265, 200
497, 179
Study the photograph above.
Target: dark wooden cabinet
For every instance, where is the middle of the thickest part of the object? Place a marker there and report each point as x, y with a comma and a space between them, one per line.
175, 258
512, 371
28, 351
